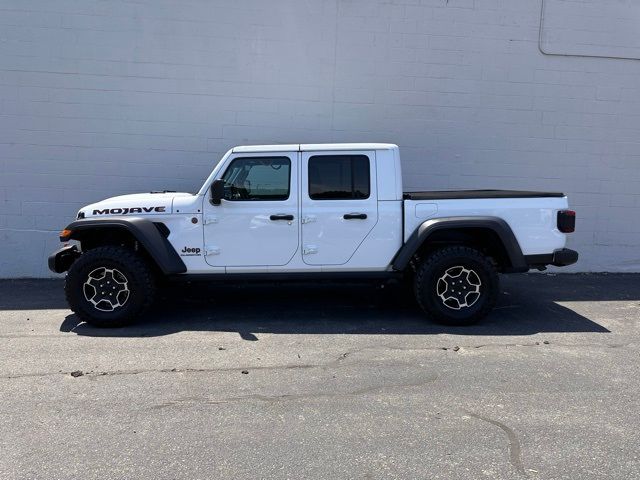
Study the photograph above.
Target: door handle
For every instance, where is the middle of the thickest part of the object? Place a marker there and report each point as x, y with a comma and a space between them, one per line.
281, 217
355, 216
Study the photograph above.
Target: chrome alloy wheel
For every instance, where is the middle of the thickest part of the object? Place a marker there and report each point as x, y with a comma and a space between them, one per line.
106, 289
459, 288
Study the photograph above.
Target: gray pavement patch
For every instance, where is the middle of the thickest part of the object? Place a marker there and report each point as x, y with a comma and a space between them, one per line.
343, 382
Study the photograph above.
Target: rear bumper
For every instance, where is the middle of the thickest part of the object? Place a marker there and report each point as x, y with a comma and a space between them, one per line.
559, 258
61, 259
564, 257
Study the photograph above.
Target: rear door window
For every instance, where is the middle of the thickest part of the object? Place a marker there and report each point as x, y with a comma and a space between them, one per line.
339, 177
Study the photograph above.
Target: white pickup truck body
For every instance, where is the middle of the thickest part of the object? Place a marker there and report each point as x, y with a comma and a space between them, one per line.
239, 237
286, 211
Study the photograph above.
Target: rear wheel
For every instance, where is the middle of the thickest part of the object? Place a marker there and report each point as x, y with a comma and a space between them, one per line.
456, 285
109, 286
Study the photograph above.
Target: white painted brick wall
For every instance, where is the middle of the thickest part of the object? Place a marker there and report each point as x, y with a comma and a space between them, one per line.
105, 97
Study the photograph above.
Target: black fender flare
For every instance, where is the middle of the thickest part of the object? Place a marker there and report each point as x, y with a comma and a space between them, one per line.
428, 227
143, 230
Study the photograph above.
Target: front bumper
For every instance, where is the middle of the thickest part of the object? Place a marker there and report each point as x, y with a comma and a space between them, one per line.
61, 259
559, 258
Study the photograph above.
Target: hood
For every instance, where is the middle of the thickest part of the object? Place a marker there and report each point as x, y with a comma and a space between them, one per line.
136, 204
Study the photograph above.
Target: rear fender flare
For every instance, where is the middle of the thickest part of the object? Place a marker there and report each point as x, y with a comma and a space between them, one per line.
497, 225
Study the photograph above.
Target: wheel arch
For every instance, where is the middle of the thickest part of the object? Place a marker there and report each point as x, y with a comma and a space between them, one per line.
151, 236
492, 234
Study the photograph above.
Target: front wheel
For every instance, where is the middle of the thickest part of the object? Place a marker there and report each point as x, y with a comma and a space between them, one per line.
456, 285
109, 286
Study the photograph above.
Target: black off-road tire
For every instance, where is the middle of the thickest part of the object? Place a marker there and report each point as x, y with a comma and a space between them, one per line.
140, 284
472, 295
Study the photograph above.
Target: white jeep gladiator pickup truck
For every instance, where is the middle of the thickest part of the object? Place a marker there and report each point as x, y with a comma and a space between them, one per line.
294, 212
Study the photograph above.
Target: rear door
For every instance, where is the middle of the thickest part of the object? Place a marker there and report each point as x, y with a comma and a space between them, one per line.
339, 204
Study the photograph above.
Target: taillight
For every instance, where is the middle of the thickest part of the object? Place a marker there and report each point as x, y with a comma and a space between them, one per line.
566, 221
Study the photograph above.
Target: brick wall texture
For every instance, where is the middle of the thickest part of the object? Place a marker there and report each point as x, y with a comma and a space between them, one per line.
107, 97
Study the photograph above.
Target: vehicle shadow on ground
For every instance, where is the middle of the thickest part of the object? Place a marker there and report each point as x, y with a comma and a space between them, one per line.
528, 304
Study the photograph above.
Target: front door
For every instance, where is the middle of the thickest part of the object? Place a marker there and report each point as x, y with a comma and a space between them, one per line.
339, 204
256, 223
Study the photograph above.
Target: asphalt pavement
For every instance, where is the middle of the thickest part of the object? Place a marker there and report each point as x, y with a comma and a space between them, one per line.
326, 382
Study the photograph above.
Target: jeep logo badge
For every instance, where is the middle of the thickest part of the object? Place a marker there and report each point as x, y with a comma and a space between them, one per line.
190, 251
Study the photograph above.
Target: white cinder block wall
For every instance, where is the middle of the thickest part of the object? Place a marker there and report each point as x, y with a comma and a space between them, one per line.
106, 97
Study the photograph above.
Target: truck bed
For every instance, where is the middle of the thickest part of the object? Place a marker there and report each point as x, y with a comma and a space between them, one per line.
468, 194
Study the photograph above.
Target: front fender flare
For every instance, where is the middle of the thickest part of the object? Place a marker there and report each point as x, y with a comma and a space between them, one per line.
428, 227
143, 230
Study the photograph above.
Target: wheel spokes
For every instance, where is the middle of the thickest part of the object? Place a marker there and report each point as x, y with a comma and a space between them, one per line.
458, 287
106, 289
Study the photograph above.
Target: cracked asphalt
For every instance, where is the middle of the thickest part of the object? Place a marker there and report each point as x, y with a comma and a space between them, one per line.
324, 381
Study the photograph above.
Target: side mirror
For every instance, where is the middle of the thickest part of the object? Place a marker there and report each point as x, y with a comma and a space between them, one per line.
217, 191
